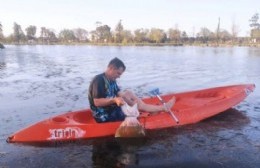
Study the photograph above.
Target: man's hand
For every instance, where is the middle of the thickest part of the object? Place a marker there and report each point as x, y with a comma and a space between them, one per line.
119, 101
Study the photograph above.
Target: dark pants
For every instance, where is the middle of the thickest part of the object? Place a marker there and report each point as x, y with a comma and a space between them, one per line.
115, 114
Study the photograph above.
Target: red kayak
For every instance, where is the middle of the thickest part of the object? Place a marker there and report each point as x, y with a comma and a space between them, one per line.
190, 107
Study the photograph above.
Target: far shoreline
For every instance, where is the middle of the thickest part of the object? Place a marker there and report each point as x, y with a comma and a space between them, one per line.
140, 44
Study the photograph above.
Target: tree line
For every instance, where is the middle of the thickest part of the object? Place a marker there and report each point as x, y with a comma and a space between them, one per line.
103, 34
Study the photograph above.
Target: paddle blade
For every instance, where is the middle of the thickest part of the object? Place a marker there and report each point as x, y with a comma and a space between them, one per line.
155, 91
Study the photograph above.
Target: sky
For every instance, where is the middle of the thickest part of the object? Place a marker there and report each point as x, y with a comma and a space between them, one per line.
186, 15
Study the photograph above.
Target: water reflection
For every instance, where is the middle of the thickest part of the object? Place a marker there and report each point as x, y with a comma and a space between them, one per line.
214, 125
203, 144
106, 152
254, 52
200, 144
116, 152
2, 61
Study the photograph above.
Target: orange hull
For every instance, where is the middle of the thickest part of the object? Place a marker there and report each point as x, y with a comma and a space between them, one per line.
190, 107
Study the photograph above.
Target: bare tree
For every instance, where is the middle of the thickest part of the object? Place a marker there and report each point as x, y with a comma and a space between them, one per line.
81, 34
47, 35
204, 34
174, 35
224, 35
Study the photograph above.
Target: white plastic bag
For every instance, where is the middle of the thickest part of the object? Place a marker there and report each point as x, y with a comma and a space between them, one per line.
130, 127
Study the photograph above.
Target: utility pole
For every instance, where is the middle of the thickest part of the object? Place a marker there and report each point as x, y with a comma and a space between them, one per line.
218, 31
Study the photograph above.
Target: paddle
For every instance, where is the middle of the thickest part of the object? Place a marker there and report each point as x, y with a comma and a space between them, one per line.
156, 93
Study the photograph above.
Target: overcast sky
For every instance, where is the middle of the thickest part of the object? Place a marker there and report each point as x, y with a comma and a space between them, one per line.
187, 15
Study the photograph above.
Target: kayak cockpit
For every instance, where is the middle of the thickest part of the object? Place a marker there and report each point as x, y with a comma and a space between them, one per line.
84, 118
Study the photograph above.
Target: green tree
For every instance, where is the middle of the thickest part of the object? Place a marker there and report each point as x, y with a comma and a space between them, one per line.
103, 33
18, 34
67, 35
141, 35
30, 32
119, 32
255, 33
51, 36
93, 36
254, 24
157, 35
127, 37
184, 36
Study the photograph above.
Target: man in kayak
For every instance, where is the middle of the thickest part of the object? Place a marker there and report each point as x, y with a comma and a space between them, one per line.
105, 97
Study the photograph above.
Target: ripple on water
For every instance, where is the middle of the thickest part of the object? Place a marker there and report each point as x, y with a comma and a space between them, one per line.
257, 108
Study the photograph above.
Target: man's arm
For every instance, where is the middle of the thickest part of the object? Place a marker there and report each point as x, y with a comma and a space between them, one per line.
101, 102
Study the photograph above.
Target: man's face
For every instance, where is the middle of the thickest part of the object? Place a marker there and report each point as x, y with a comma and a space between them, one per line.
116, 73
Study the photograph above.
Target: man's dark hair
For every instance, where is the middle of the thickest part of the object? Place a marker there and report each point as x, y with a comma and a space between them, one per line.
117, 63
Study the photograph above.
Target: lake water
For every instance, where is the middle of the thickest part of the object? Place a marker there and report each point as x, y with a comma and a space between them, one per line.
37, 82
